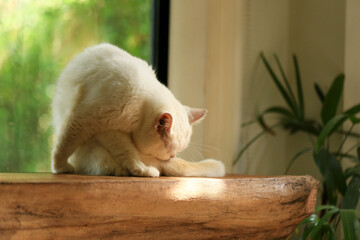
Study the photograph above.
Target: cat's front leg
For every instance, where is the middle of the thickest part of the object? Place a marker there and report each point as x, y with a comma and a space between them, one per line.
124, 152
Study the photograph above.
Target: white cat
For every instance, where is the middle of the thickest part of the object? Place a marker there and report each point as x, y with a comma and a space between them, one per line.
113, 117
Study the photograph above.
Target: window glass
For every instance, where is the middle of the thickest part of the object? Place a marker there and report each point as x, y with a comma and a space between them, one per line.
37, 39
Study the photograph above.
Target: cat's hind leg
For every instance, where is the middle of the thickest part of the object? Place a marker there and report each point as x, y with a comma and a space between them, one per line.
74, 133
93, 159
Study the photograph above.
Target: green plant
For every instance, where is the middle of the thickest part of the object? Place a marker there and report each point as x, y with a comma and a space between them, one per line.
340, 186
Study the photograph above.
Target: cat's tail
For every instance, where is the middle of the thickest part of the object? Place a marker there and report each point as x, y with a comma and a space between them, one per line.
178, 167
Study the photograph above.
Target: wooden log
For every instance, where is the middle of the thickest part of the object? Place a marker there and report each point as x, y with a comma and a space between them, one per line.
47, 206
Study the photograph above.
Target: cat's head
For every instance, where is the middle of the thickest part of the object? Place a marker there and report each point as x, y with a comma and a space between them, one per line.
168, 132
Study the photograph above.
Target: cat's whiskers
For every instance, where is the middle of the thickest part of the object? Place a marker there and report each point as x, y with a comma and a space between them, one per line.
188, 155
203, 145
194, 152
205, 148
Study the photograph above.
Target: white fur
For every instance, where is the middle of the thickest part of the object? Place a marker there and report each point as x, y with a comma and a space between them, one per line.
113, 117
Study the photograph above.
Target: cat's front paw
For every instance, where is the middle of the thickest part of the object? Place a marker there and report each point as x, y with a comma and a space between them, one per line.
121, 172
64, 168
216, 166
146, 172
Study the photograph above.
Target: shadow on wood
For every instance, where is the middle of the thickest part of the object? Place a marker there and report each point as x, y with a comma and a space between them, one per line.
47, 206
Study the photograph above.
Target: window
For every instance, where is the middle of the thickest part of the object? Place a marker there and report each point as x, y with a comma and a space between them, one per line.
37, 39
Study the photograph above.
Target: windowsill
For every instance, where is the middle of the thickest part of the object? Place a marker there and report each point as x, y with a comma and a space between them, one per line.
77, 206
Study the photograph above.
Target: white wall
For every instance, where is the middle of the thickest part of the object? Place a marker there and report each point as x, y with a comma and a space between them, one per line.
205, 47
268, 31
352, 62
352, 54
187, 59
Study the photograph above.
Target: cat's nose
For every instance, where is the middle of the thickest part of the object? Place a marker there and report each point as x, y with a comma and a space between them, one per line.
172, 155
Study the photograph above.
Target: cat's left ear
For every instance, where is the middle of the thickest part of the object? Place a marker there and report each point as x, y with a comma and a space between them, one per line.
164, 123
196, 114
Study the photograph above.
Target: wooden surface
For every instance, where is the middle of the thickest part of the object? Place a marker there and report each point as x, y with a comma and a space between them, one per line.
47, 206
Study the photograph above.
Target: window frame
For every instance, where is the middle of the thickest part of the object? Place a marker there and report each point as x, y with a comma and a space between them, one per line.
160, 39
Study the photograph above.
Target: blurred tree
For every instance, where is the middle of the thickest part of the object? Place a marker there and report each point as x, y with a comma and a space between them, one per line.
37, 39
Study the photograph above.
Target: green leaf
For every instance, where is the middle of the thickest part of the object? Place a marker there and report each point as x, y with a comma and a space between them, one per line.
352, 171
307, 231
328, 129
329, 232
262, 123
296, 156
348, 220
279, 110
319, 92
310, 223
348, 156
332, 99
278, 84
299, 87
332, 173
307, 126
351, 197
325, 207
310, 219
352, 112
322, 221
247, 145
291, 94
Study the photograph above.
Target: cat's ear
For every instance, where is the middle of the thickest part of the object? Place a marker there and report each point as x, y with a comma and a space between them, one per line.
164, 123
196, 114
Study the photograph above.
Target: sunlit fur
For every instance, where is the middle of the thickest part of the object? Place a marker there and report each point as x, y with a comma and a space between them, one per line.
106, 114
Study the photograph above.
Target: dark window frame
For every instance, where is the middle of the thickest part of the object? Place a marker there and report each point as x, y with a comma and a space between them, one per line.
160, 39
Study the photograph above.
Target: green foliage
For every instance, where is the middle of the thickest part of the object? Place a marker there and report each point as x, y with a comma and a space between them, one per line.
341, 187
332, 99
37, 39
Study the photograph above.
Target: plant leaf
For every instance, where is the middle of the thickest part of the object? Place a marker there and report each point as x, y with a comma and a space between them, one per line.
325, 207
299, 87
319, 92
328, 129
348, 220
352, 112
322, 221
262, 123
332, 172
348, 156
310, 222
279, 110
332, 99
247, 145
329, 231
351, 197
296, 156
307, 231
352, 171
278, 84
291, 94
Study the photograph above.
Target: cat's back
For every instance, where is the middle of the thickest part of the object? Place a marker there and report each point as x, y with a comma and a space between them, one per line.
97, 76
